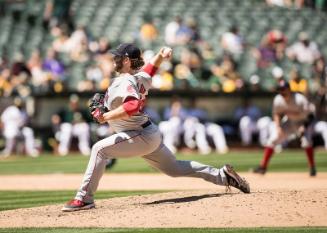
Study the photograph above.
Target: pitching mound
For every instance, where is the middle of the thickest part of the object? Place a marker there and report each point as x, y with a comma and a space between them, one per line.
209, 208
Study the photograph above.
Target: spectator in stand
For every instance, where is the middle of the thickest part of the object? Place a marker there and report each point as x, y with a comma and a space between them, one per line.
53, 66
77, 38
4, 63
265, 54
81, 53
5, 84
61, 40
40, 80
20, 77
232, 42
298, 4
188, 32
171, 31
298, 84
225, 74
207, 53
77, 45
280, 3
106, 64
271, 50
185, 71
69, 122
148, 33
304, 51
279, 42
164, 79
93, 77
103, 46
99, 73
19, 66
195, 33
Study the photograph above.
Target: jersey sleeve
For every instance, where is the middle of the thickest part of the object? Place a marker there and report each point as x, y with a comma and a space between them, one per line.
144, 78
127, 90
150, 69
144, 75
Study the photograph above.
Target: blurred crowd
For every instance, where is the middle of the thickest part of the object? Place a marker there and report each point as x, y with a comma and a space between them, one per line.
299, 4
74, 60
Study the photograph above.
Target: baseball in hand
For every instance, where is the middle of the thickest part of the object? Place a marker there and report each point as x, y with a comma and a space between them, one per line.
166, 52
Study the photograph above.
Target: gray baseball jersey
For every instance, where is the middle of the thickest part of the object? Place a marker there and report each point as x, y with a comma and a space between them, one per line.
125, 86
297, 109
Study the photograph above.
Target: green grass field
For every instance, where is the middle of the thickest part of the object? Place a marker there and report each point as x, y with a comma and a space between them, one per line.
288, 160
166, 230
24, 199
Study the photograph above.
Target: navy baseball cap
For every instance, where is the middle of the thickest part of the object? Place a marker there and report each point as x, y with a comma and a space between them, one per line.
128, 50
283, 85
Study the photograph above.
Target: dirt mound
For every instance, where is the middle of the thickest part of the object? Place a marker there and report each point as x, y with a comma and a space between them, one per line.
277, 199
159, 182
205, 208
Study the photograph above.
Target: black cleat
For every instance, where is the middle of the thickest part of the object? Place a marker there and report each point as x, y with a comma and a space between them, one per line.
260, 170
235, 180
110, 163
313, 171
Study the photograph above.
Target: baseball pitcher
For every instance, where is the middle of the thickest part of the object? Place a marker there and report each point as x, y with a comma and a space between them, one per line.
135, 134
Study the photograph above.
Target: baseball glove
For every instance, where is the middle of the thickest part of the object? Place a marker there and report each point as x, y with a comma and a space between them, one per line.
96, 106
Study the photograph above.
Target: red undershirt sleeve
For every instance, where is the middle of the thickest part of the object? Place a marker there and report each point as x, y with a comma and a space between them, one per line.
150, 69
131, 105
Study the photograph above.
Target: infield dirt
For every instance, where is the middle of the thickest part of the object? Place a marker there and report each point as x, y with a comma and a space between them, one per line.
277, 199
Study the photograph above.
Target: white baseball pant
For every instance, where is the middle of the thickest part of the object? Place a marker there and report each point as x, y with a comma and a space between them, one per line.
171, 131
248, 127
79, 130
321, 128
146, 143
29, 140
194, 129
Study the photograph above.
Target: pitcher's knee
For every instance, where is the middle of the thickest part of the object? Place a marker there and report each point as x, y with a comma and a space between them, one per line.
96, 149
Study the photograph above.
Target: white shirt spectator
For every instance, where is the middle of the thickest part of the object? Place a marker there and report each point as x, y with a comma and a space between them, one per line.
170, 32
232, 43
276, 2
304, 54
75, 40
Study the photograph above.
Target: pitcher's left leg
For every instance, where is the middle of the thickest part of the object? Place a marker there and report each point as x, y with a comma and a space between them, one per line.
165, 161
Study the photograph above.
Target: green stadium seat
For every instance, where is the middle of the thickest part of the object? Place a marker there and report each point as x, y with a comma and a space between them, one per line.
112, 18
